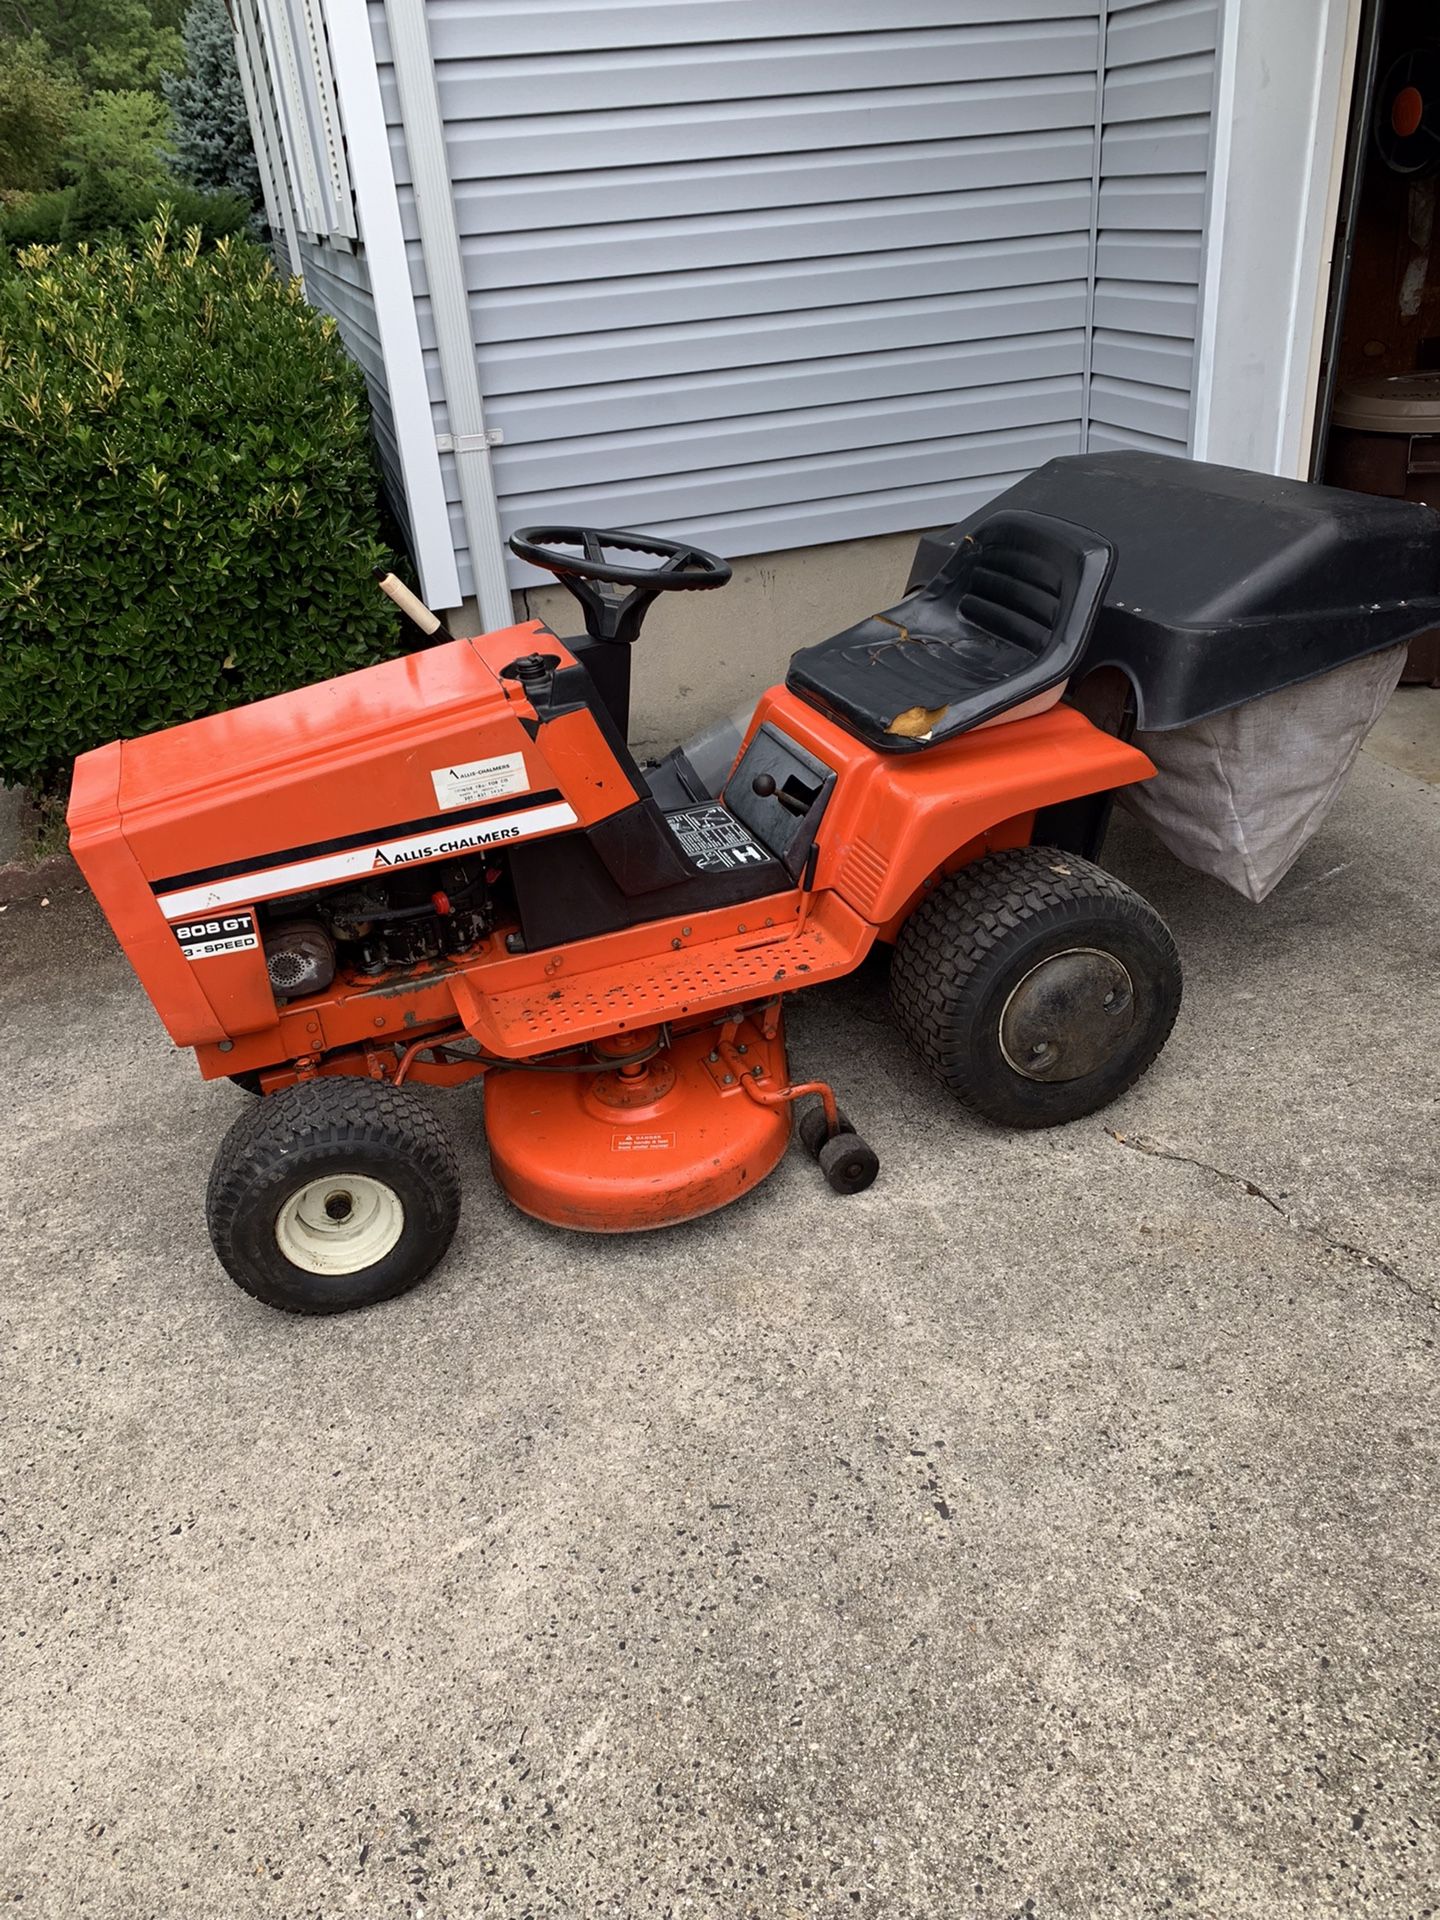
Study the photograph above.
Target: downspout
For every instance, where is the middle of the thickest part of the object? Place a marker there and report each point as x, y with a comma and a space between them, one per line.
1212, 238
449, 303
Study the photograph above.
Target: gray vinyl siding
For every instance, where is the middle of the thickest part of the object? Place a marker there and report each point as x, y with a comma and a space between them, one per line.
768, 275
280, 254
1154, 171
810, 272
338, 282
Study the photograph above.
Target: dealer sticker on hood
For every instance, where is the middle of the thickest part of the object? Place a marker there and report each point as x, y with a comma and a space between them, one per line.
475, 780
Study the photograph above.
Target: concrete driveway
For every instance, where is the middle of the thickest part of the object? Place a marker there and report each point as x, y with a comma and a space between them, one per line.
1048, 1531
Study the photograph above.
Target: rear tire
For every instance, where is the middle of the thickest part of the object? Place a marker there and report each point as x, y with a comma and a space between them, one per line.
333, 1194
1035, 986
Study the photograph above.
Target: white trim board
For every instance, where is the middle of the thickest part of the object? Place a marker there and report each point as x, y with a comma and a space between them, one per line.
1282, 106
424, 132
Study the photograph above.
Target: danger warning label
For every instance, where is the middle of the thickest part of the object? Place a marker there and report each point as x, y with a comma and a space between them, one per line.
641, 1142
714, 839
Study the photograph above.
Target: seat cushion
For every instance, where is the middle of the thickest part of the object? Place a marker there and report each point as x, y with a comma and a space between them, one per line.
885, 667
1002, 622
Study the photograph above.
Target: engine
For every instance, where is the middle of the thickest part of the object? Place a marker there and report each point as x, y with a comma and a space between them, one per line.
409, 919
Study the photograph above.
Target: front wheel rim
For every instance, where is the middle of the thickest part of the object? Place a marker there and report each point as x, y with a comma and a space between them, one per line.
340, 1224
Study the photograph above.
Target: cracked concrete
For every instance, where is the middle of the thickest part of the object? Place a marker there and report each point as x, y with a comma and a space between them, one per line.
1049, 1531
1157, 1152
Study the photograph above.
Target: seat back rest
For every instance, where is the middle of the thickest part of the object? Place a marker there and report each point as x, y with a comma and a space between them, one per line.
1004, 620
1015, 596
1027, 574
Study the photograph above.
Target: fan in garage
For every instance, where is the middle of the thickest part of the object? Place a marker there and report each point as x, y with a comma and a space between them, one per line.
1407, 113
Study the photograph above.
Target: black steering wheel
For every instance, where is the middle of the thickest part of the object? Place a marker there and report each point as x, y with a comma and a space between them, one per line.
682, 569
689, 568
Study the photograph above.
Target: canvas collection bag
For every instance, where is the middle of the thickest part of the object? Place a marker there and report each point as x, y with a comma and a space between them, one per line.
1240, 794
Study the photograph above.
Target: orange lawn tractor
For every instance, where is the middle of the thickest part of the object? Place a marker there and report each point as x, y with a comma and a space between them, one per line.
450, 865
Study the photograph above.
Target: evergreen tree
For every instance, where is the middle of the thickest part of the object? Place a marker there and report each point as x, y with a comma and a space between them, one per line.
212, 145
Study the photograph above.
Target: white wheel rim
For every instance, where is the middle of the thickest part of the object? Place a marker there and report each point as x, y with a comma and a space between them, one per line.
341, 1224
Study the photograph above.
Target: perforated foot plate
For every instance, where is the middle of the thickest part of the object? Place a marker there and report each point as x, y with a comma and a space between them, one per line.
572, 1004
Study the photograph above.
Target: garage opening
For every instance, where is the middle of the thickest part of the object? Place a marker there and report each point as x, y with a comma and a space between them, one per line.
1378, 413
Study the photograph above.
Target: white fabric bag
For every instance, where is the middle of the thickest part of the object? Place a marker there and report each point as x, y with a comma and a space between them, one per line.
1239, 795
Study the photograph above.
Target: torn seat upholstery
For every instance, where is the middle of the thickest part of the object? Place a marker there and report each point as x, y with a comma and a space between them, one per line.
1003, 621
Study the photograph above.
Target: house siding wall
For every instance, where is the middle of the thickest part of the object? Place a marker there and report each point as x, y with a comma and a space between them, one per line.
813, 272
338, 281
1154, 172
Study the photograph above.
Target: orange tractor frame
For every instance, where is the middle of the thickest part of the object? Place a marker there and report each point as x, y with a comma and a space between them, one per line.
449, 865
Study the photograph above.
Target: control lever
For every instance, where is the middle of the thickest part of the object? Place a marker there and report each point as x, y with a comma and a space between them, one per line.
764, 786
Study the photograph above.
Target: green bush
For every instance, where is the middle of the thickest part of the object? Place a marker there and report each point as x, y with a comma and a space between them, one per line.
36, 220
188, 505
99, 208
122, 135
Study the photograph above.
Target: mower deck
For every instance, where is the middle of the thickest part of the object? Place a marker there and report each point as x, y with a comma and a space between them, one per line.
647, 1144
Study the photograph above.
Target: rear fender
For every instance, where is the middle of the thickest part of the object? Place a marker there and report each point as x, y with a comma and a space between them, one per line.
896, 822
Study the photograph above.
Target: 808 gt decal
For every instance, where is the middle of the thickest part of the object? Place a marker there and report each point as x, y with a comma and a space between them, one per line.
220, 933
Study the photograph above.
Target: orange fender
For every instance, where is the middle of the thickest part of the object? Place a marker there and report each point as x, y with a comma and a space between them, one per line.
897, 821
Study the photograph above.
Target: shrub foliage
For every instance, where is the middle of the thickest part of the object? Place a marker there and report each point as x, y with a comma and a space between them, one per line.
188, 506
38, 103
122, 136
99, 207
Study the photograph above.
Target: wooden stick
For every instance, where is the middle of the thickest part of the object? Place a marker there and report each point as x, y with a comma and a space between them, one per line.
409, 604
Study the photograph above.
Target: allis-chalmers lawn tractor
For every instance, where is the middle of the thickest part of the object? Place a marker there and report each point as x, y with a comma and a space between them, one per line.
450, 865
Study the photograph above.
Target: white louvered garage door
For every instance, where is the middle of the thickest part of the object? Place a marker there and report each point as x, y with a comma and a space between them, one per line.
768, 273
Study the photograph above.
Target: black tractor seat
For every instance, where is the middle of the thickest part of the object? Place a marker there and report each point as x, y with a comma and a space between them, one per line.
1003, 621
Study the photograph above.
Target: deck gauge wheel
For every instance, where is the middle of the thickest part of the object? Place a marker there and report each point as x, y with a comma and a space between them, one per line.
814, 1132
848, 1164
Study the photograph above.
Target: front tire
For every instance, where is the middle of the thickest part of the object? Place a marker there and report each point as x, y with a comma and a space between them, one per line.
1035, 986
333, 1194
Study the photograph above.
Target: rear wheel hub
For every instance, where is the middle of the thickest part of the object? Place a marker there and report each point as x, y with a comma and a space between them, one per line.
1068, 1016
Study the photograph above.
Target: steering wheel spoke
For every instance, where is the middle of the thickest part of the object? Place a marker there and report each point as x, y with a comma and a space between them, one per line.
676, 567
